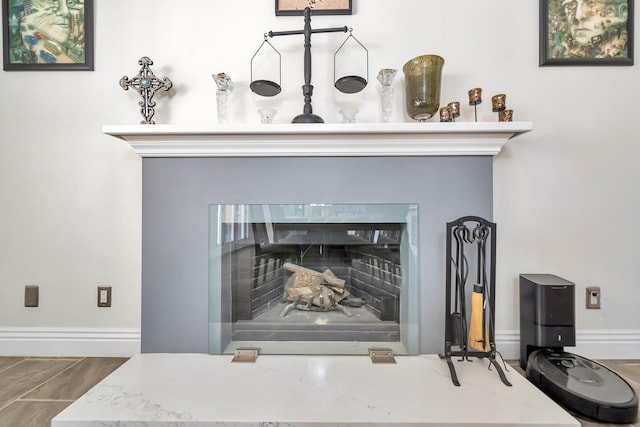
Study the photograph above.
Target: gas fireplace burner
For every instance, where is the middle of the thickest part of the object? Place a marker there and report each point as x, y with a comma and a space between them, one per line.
324, 267
310, 290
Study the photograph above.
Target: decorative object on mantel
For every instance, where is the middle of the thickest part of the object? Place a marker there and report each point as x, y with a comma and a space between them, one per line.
266, 86
505, 116
449, 112
267, 115
498, 102
422, 80
146, 84
223, 94
454, 106
347, 84
350, 82
348, 114
385, 77
475, 98
445, 114
499, 105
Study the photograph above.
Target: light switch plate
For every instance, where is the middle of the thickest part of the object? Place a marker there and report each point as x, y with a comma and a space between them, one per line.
31, 296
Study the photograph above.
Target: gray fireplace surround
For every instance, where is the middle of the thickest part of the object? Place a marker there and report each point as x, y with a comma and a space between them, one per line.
177, 191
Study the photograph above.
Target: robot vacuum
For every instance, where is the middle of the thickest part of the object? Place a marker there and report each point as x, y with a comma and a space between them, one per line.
582, 386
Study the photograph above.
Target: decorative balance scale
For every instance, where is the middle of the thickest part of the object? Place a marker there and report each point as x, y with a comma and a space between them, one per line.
346, 84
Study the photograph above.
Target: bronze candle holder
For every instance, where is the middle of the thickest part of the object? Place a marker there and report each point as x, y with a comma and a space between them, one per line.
475, 98
455, 110
446, 114
505, 115
498, 102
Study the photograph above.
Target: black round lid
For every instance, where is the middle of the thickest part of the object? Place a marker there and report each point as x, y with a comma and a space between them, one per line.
350, 84
265, 87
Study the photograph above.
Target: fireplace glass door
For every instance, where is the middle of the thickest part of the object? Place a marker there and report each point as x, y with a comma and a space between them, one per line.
313, 278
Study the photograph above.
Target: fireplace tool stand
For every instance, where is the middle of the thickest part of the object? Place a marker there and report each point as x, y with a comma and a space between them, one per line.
475, 336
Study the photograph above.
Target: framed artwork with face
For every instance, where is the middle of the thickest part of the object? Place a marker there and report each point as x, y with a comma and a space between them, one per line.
586, 32
318, 7
40, 35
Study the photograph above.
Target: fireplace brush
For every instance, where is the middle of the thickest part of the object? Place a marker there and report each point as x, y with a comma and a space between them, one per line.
478, 334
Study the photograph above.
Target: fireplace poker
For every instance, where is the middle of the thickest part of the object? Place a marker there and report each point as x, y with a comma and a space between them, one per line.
459, 316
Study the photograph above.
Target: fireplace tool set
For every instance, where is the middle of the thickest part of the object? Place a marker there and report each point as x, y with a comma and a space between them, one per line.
470, 238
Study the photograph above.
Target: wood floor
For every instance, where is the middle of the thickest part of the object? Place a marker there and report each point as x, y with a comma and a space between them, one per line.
33, 390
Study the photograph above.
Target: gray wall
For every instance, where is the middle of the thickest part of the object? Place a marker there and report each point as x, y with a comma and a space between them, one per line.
176, 194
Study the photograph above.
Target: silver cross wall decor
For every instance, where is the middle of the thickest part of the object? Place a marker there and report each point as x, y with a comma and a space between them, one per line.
146, 84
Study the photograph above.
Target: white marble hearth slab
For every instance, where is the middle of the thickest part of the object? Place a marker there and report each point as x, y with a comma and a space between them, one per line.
203, 390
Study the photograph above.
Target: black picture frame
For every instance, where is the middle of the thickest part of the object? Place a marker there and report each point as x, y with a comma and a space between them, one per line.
328, 7
586, 32
56, 38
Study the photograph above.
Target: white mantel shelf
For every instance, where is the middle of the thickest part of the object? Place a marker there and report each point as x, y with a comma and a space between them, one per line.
324, 139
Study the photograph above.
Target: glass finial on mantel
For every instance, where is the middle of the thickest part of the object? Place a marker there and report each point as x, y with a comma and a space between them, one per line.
385, 77
225, 86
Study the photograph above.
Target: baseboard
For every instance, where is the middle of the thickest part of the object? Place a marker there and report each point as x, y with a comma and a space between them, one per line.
67, 342
101, 342
592, 344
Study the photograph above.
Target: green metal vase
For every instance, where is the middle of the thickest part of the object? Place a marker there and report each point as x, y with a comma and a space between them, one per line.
422, 80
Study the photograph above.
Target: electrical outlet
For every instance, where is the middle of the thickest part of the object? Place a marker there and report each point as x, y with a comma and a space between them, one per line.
31, 295
104, 296
593, 297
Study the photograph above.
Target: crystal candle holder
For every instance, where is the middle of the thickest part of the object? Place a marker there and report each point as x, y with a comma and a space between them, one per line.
385, 77
225, 86
267, 115
348, 114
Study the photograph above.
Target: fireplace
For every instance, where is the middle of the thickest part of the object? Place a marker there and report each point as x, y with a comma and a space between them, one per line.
436, 171
313, 278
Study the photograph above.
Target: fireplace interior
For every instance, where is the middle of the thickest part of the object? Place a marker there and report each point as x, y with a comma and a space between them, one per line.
297, 275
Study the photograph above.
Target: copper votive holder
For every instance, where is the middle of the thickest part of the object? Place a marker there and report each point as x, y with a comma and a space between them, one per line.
455, 109
505, 115
475, 96
499, 102
446, 114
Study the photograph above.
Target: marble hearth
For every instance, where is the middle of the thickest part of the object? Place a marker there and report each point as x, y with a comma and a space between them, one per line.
198, 390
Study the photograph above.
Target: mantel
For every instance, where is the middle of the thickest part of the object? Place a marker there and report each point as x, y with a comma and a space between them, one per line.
326, 139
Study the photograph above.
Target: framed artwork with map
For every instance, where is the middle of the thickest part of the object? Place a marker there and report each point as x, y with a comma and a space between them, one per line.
318, 7
41, 35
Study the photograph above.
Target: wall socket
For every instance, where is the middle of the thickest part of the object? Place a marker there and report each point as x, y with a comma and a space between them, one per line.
104, 296
31, 295
593, 297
